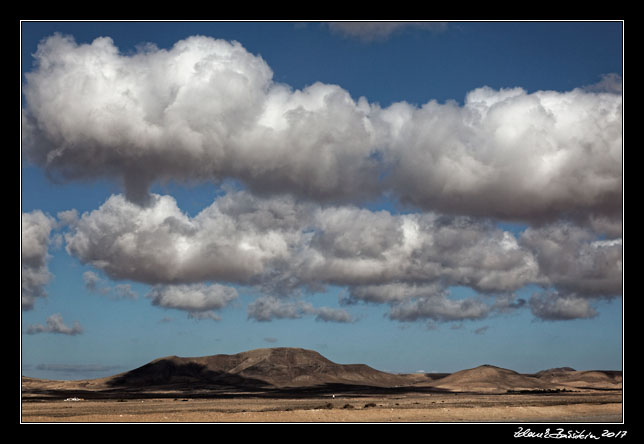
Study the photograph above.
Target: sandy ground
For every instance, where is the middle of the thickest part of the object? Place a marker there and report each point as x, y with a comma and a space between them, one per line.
563, 408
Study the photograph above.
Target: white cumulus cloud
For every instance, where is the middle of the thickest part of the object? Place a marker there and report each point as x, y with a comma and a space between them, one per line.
207, 109
56, 324
268, 308
36, 228
558, 307
199, 300
283, 246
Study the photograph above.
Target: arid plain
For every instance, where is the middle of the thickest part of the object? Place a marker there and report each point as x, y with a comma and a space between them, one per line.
296, 385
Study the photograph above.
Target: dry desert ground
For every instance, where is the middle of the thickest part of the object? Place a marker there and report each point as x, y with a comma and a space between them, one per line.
548, 408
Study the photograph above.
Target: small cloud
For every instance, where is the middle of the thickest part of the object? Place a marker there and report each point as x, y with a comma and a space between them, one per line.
269, 307
327, 314
369, 31
270, 340
92, 282
55, 324
437, 306
95, 284
200, 315
199, 300
554, 306
124, 291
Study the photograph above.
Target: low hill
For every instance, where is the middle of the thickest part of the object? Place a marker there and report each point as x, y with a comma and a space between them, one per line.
598, 379
274, 367
488, 378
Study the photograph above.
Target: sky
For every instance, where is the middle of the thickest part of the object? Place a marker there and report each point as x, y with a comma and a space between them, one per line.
414, 196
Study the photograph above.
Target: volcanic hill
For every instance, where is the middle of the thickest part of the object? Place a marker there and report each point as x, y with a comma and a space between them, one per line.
488, 378
274, 367
605, 379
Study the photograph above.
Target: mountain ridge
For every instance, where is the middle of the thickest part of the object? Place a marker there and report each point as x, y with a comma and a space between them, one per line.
296, 370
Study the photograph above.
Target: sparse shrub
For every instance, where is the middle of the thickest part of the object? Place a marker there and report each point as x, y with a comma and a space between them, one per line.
369, 404
347, 406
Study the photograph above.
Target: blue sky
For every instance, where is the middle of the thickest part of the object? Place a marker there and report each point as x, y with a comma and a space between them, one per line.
430, 196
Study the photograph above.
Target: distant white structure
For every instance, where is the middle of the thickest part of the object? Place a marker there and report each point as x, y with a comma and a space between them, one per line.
74, 399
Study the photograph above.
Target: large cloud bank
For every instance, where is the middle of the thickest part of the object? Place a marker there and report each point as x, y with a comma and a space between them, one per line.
208, 110
283, 246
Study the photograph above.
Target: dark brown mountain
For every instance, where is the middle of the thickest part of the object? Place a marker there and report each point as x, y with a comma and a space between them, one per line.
267, 367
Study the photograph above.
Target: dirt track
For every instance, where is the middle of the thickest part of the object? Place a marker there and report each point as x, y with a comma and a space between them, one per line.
563, 408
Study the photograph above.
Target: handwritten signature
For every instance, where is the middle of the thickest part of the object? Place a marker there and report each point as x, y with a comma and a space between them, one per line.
567, 434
